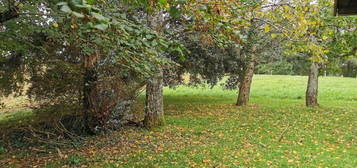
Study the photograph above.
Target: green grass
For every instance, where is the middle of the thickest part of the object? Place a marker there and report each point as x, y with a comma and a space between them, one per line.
281, 90
204, 129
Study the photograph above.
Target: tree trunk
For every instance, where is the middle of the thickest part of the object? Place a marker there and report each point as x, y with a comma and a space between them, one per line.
154, 110
312, 86
89, 96
245, 85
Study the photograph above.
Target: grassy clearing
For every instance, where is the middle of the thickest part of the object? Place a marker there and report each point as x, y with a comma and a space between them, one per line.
205, 129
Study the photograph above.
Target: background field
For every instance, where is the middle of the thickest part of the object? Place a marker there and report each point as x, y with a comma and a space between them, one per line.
273, 90
205, 129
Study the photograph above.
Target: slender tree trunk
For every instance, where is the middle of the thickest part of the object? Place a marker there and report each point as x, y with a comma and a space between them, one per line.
154, 111
245, 85
312, 86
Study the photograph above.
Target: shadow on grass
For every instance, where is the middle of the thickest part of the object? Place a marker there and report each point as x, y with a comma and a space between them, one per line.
40, 130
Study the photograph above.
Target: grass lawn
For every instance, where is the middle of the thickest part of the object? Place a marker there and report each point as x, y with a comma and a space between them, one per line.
205, 129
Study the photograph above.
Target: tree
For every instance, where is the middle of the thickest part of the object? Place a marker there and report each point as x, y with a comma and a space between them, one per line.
71, 59
312, 32
157, 15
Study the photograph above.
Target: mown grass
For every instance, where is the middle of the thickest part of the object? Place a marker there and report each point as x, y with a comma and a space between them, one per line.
205, 129
282, 90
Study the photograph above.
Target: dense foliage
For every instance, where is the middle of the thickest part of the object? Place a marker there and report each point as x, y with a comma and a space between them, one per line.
69, 49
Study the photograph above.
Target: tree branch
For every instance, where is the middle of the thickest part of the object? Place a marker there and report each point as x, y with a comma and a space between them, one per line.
42, 14
352, 52
9, 14
277, 5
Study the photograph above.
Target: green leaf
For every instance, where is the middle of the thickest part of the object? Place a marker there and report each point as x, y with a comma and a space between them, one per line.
182, 1
102, 26
203, 7
174, 12
66, 9
149, 36
94, 9
79, 15
75, 2
98, 41
88, 7
128, 28
62, 3
90, 2
163, 2
99, 16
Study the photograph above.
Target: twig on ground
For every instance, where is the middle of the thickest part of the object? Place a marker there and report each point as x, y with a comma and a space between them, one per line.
285, 131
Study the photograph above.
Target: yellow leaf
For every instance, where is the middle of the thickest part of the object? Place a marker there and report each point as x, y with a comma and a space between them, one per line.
206, 161
286, 8
235, 22
267, 28
312, 23
21, 5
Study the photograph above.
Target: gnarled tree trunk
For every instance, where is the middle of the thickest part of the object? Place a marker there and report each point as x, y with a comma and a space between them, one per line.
89, 97
154, 110
245, 85
312, 86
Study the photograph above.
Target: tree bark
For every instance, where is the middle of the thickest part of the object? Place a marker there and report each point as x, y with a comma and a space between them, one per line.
154, 111
89, 99
245, 85
312, 86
